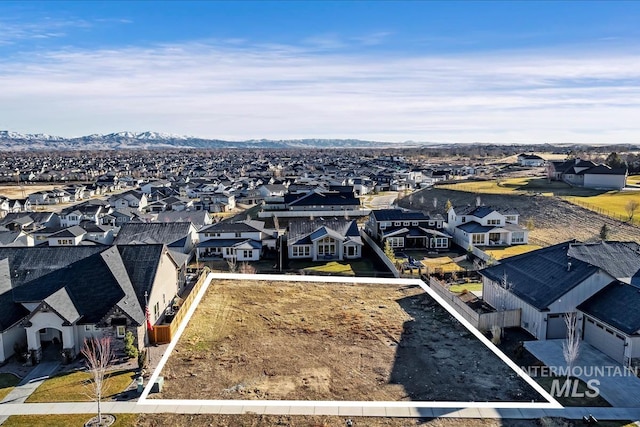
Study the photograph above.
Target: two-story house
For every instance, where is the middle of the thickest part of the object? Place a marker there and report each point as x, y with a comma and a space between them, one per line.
485, 226
242, 241
407, 229
323, 240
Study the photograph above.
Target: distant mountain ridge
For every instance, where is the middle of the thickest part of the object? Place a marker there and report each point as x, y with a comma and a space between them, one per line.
14, 141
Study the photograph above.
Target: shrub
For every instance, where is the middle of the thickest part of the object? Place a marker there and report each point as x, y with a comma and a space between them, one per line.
129, 348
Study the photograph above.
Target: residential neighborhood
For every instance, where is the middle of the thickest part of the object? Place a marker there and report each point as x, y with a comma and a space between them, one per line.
142, 239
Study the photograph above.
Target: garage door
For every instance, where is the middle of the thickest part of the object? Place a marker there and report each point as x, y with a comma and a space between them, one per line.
556, 328
604, 339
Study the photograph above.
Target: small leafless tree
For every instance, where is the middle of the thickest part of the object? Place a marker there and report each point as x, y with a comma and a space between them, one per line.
233, 264
246, 268
435, 202
631, 208
502, 296
99, 356
571, 345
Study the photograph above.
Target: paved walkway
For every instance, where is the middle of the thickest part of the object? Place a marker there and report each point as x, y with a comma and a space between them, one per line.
28, 385
618, 386
627, 414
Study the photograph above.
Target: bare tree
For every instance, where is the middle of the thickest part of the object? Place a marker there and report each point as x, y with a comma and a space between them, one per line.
99, 356
246, 268
435, 202
502, 295
631, 208
233, 264
571, 345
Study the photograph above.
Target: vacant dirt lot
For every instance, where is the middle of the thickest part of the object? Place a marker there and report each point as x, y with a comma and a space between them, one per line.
322, 421
317, 341
554, 220
17, 192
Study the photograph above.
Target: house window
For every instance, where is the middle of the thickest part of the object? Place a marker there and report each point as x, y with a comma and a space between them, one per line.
396, 242
414, 223
493, 222
383, 225
120, 331
156, 311
510, 218
440, 242
397, 223
477, 239
247, 253
464, 219
405, 223
88, 328
351, 251
301, 251
327, 246
238, 234
517, 237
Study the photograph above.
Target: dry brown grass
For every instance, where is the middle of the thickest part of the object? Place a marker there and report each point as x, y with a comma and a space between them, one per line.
323, 341
17, 192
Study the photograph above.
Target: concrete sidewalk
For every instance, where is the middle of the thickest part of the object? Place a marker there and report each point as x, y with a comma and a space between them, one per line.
619, 387
194, 407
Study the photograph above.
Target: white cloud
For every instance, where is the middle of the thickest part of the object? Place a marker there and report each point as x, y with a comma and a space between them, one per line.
237, 91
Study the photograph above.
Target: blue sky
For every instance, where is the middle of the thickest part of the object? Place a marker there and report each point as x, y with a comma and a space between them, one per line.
393, 71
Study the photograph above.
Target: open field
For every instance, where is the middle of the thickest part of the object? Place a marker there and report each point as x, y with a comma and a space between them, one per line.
608, 203
20, 192
554, 220
322, 341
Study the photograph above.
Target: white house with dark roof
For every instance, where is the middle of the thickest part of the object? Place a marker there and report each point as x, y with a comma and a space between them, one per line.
585, 173
243, 240
407, 229
53, 298
324, 240
599, 281
530, 160
485, 226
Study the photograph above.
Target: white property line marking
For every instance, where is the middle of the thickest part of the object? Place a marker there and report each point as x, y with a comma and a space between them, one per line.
550, 404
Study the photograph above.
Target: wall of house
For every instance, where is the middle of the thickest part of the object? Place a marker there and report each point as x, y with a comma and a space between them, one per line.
165, 287
245, 235
8, 338
531, 319
604, 181
357, 254
492, 216
569, 301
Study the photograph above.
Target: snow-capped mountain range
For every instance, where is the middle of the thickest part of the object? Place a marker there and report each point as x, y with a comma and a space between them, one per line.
13, 141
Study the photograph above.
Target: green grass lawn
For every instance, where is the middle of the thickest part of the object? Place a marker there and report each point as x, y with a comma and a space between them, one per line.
611, 203
71, 420
360, 267
520, 186
7, 383
76, 387
470, 287
500, 253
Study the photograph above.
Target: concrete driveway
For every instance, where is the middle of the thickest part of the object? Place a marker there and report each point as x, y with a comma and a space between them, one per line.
619, 386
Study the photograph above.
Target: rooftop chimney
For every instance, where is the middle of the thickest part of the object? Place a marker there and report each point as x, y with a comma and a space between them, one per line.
569, 266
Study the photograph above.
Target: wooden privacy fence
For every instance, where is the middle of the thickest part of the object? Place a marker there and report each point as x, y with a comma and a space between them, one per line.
162, 334
481, 321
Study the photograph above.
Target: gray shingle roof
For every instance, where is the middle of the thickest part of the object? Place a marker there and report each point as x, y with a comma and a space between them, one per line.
301, 231
620, 259
541, 277
398, 215
617, 305
152, 233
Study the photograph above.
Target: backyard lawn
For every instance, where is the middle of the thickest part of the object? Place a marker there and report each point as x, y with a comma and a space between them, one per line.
470, 287
76, 387
7, 383
359, 267
500, 253
441, 265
